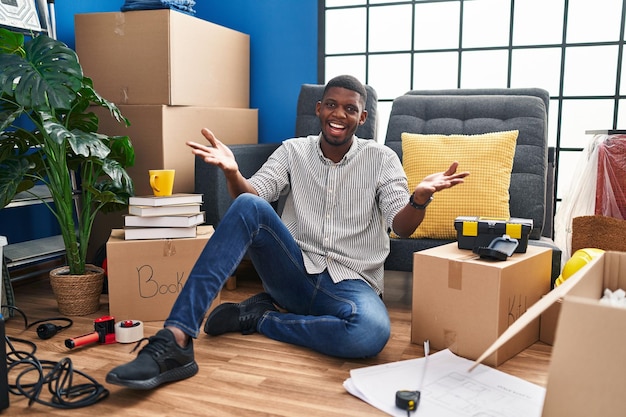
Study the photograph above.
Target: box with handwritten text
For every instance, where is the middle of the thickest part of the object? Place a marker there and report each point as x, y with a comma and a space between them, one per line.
464, 303
146, 276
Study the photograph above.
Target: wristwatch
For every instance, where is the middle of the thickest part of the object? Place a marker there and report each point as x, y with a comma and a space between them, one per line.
419, 206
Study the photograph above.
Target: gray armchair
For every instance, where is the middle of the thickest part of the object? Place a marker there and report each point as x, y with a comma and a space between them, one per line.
477, 111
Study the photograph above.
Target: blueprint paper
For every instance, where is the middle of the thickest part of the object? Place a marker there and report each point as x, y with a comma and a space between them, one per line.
447, 388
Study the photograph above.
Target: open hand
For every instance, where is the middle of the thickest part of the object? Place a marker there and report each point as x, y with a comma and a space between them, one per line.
439, 181
216, 154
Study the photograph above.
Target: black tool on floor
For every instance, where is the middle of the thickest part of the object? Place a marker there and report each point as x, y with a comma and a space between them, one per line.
47, 329
407, 400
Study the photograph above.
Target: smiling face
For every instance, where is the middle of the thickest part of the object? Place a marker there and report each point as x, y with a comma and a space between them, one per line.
341, 112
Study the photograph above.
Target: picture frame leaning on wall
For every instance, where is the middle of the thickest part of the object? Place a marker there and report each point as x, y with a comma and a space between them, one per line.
30, 16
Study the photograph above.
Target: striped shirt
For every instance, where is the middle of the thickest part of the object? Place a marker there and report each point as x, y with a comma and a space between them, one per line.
338, 213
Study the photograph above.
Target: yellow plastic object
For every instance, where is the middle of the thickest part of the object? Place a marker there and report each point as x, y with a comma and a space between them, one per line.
579, 259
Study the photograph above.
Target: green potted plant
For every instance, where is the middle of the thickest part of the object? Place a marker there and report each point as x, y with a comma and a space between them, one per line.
49, 135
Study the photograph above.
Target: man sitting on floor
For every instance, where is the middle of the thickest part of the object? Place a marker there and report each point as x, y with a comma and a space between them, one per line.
322, 264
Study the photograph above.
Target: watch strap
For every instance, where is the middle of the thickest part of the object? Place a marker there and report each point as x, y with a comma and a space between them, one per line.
413, 204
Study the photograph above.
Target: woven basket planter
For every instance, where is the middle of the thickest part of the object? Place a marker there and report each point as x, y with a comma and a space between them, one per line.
77, 295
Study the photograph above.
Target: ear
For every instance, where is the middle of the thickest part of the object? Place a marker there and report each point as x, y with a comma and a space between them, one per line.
363, 117
318, 106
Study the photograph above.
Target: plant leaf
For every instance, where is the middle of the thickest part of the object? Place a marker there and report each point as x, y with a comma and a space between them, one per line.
48, 76
11, 42
13, 171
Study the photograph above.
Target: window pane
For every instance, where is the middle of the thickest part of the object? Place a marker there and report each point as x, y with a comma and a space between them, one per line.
382, 119
537, 68
390, 28
553, 112
590, 70
538, 22
486, 23
345, 31
622, 86
570, 164
593, 21
484, 69
387, 1
582, 115
353, 65
621, 115
435, 70
437, 25
390, 75
338, 3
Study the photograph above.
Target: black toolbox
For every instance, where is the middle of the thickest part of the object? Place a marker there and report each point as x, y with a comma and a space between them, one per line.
474, 232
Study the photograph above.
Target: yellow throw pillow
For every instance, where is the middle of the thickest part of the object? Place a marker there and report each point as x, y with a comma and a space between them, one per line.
487, 157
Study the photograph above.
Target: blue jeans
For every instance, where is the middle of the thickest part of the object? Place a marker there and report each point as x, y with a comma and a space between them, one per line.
347, 319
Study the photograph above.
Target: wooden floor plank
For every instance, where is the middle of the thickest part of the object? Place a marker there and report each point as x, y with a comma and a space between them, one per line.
239, 375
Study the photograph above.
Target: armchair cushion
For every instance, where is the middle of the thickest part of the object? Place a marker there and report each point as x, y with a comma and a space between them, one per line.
489, 159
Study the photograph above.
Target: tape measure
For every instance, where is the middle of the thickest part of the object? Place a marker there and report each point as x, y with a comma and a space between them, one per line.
407, 400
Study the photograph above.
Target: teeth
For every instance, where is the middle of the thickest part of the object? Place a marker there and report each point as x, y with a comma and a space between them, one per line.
336, 126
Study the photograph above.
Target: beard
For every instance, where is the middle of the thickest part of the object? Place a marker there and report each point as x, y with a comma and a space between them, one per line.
338, 143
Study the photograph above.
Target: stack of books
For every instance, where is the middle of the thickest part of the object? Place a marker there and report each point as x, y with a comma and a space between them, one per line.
164, 217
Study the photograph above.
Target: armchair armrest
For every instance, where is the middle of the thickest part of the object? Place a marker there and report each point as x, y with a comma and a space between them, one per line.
211, 183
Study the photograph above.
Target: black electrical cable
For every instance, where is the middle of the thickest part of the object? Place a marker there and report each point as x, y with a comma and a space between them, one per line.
46, 330
57, 376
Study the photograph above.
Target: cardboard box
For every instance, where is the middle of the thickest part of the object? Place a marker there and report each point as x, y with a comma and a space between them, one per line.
548, 323
164, 57
464, 303
586, 375
145, 276
159, 133
474, 232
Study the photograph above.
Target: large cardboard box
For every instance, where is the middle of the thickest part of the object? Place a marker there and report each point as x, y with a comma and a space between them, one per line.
548, 323
464, 303
164, 57
146, 276
159, 133
587, 374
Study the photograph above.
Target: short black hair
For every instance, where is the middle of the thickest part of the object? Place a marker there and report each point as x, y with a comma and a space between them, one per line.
350, 83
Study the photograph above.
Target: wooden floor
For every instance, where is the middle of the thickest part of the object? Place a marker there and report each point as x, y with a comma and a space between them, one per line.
239, 375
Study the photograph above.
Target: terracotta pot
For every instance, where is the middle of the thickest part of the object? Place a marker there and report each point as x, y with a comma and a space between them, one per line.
77, 295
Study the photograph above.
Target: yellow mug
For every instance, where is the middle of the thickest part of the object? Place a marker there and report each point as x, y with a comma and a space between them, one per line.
162, 181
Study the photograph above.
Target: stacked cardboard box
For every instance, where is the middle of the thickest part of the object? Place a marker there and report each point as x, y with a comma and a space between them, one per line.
171, 74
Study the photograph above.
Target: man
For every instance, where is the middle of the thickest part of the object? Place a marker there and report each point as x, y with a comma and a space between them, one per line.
322, 264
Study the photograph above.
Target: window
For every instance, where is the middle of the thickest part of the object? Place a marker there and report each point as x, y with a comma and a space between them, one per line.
571, 48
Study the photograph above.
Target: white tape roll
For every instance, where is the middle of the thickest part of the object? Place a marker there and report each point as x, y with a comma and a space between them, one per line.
128, 331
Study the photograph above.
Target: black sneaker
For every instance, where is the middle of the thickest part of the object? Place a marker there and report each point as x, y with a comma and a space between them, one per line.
160, 361
239, 317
